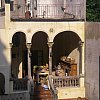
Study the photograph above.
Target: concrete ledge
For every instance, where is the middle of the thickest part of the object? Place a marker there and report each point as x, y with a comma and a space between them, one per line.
69, 93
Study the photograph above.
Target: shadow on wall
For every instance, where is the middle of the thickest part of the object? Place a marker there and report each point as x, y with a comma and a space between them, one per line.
2, 84
3, 68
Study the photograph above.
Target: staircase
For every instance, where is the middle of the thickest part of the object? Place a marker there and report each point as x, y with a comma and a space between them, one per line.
41, 94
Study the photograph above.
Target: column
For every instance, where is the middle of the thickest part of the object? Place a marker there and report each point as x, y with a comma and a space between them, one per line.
29, 59
10, 70
50, 44
11, 44
81, 65
80, 57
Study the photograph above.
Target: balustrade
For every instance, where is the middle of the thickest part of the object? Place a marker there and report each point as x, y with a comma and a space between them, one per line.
69, 81
49, 11
20, 84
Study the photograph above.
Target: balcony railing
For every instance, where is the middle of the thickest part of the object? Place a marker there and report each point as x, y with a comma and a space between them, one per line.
56, 11
20, 84
53, 89
69, 81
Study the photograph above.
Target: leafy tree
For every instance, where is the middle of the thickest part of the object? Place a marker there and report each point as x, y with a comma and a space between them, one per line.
93, 10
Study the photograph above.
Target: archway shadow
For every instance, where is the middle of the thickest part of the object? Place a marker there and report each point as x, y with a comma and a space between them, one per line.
3, 68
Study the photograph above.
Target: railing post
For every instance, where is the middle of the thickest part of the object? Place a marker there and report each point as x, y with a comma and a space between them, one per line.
11, 86
81, 80
53, 88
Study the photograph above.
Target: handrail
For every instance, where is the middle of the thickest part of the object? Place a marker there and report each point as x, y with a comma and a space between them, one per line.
53, 89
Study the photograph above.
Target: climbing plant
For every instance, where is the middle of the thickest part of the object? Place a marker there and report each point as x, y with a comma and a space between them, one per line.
93, 10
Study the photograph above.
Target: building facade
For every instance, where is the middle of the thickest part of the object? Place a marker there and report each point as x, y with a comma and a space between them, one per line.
36, 33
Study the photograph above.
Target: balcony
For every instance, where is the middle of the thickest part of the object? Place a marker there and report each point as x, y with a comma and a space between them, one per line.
48, 12
19, 85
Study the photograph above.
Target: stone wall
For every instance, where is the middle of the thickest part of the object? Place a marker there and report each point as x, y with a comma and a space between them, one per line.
16, 96
2, 21
5, 58
92, 59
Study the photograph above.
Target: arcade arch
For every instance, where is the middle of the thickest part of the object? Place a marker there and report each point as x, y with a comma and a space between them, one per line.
66, 43
39, 49
19, 55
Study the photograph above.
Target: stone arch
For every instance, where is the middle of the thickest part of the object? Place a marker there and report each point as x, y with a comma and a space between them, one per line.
39, 49
64, 44
64, 30
14, 32
2, 84
19, 55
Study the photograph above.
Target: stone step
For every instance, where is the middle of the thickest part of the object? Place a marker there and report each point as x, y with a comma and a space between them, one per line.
79, 98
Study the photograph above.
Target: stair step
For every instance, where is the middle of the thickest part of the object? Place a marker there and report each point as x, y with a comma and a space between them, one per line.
75, 99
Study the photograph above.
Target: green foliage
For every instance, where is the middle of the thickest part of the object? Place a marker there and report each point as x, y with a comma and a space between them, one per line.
93, 10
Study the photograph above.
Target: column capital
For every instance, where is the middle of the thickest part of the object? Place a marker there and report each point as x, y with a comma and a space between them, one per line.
11, 44
81, 43
50, 44
28, 45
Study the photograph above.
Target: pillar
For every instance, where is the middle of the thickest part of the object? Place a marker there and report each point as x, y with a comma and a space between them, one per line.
29, 59
81, 70
11, 44
7, 15
81, 65
50, 44
10, 70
